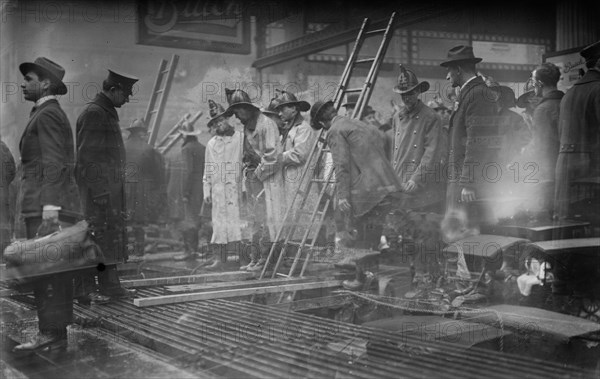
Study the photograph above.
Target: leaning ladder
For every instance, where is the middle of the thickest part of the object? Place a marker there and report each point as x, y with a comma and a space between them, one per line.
173, 136
160, 92
306, 244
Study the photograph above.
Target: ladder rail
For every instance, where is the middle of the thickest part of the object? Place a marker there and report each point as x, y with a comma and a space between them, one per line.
156, 106
173, 136
293, 214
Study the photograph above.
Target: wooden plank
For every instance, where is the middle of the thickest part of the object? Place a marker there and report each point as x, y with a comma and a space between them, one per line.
222, 294
237, 284
564, 327
188, 279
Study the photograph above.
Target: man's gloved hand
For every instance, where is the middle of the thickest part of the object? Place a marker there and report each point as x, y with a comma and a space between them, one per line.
344, 205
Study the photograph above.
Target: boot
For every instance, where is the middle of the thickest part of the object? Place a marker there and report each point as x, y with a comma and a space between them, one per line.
42, 341
219, 257
188, 246
252, 250
357, 283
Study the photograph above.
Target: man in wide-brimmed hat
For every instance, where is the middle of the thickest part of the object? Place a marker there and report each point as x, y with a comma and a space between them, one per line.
262, 161
191, 196
271, 112
367, 185
48, 193
473, 139
297, 144
101, 180
145, 183
416, 132
223, 186
579, 151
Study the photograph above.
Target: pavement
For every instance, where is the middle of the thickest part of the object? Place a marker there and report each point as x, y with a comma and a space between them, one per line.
91, 353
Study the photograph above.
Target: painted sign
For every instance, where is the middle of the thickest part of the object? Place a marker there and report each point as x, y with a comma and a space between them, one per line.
222, 26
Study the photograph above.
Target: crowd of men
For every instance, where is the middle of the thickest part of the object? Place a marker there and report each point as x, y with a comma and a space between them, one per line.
428, 158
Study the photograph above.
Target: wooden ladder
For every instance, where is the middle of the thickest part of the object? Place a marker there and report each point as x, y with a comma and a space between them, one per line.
160, 92
173, 136
303, 248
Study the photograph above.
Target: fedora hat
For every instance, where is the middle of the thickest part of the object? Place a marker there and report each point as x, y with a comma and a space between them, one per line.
408, 82
122, 80
351, 100
52, 70
137, 124
289, 99
187, 129
215, 111
591, 51
506, 96
315, 111
271, 109
458, 54
236, 98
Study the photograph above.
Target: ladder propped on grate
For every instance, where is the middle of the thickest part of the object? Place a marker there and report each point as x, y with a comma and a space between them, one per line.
302, 249
173, 136
160, 92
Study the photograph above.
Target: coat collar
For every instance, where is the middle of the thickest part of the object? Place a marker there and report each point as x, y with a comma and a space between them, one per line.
592, 75
299, 119
415, 111
469, 86
552, 95
103, 101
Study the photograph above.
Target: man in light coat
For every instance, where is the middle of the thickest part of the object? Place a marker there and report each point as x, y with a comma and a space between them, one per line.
223, 185
262, 161
417, 136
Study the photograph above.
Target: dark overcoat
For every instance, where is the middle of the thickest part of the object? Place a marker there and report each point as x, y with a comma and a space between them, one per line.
579, 133
545, 134
364, 174
474, 143
101, 175
48, 159
7, 174
144, 181
193, 155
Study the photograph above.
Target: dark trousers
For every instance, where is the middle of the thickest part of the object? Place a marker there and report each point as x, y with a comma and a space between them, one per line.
53, 294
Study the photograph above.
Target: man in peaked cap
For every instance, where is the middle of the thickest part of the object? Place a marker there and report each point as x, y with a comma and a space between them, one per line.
46, 146
297, 144
145, 183
223, 186
416, 132
101, 179
262, 161
579, 135
473, 138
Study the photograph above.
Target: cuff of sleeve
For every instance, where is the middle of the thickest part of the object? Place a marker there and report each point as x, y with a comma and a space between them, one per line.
52, 208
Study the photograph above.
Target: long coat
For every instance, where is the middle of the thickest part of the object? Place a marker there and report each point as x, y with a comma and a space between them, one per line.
263, 139
47, 159
101, 177
223, 183
144, 181
417, 152
545, 143
192, 154
296, 148
579, 151
364, 174
474, 144
7, 174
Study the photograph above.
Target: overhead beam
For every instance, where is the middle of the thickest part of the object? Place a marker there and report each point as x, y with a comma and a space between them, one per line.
222, 294
328, 38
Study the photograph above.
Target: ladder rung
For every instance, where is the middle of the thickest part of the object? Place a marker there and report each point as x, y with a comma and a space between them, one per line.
365, 60
154, 111
375, 31
283, 275
352, 90
166, 71
160, 91
323, 181
326, 150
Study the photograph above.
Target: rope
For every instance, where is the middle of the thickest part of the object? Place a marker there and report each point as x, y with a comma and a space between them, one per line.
392, 302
